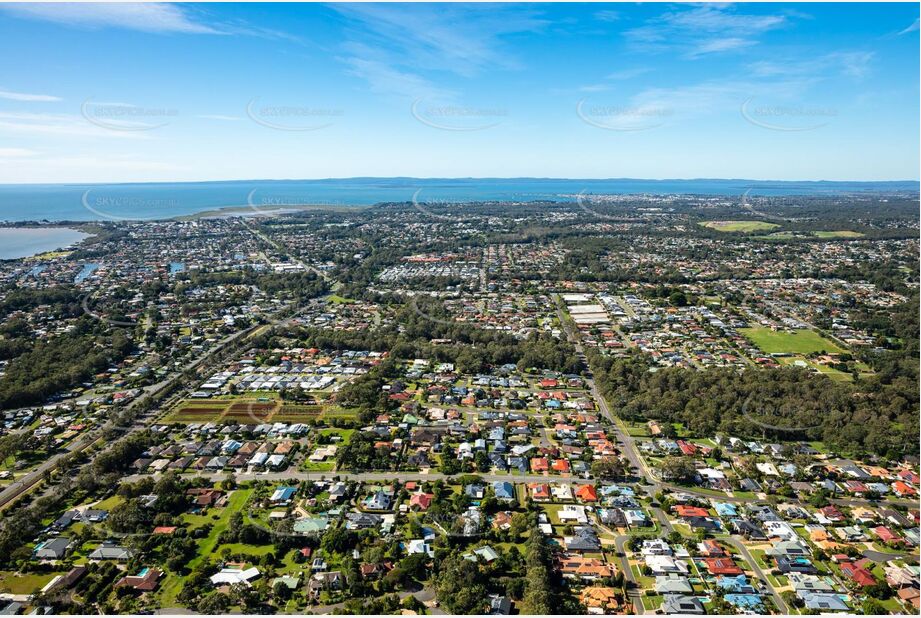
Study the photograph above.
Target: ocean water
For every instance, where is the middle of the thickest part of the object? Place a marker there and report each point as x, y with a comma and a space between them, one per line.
19, 242
166, 200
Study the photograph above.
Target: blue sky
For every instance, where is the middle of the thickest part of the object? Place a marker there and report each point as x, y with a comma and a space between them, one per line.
164, 92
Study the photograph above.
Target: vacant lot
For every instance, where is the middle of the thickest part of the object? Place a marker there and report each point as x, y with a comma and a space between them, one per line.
739, 226
244, 411
27, 583
789, 342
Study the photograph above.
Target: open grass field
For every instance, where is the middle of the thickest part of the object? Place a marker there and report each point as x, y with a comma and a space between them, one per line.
824, 234
785, 342
27, 583
243, 411
838, 234
172, 584
740, 226
245, 548
831, 372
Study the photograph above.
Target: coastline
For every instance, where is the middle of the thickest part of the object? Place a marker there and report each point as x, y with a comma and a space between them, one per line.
31, 242
81, 204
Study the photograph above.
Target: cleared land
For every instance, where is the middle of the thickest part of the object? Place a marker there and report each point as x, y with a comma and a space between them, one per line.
242, 411
838, 234
805, 235
739, 226
26, 583
789, 342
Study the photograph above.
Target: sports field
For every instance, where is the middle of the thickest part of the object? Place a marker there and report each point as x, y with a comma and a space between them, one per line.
739, 226
790, 342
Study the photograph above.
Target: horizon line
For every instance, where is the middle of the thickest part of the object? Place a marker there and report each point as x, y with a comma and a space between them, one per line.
461, 178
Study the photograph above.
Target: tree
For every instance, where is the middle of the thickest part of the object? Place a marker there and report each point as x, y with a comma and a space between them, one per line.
460, 586
519, 525
214, 603
538, 594
482, 461
873, 607
449, 463
608, 468
281, 592
680, 469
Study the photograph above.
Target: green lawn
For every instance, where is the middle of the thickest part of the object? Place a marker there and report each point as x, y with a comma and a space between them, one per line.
14, 583
800, 341
109, 503
786, 235
244, 548
831, 372
739, 226
235, 503
651, 602
318, 466
172, 584
346, 434
837, 234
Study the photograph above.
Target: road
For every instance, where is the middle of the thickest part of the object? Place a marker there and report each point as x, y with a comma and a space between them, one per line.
629, 450
778, 600
426, 595
28, 480
278, 247
633, 592
376, 477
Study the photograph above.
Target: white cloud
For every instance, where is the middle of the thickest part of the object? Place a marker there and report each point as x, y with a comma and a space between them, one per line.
720, 45
912, 28
16, 153
153, 17
22, 96
595, 88
59, 125
460, 39
608, 15
395, 48
85, 167
851, 63
703, 30
218, 117
628, 73
386, 79
710, 98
